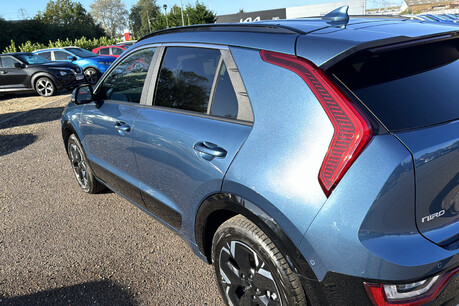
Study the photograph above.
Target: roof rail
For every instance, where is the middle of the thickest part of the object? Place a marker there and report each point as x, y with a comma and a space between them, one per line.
226, 27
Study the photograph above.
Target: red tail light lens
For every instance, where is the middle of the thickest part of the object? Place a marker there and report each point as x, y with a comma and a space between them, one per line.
352, 130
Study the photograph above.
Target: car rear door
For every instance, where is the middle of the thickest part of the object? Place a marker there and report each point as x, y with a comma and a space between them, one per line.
107, 124
185, 141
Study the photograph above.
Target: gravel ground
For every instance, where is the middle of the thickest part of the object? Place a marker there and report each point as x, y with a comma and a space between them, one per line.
60, 246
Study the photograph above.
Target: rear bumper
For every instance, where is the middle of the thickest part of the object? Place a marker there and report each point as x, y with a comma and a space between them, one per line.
340, 289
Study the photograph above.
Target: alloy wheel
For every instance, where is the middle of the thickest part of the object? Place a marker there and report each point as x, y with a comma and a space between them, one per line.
45, 87
79, 165
246, 278
91, 76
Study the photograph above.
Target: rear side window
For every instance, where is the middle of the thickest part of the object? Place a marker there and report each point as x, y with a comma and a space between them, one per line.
225, 101
186, 77
406, 88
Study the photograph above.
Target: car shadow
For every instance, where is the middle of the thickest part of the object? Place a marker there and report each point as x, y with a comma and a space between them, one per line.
12, 143
31, 117
90, 293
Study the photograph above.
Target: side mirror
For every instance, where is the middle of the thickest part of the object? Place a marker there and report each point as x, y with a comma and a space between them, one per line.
71, 58
82, 95
19, 65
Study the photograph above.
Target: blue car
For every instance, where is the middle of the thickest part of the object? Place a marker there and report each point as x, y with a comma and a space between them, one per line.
92, 64
311, 161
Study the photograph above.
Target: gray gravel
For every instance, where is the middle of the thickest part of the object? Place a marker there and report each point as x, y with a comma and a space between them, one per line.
60, 246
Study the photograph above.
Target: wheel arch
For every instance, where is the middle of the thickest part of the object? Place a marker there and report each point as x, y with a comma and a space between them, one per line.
67, 130
42, 74
218, 208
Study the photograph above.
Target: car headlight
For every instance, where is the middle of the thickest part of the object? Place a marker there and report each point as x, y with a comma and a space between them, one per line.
105, 63
62, 71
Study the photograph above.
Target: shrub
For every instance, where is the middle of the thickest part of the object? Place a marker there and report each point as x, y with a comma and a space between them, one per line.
82, 42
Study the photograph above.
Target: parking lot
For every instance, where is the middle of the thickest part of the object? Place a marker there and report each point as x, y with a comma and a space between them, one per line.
61, 246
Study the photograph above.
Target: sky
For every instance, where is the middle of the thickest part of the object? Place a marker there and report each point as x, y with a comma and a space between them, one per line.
15, 9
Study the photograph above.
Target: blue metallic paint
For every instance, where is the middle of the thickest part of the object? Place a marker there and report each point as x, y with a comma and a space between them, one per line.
436, 157
281, 166
365, 229
166, 158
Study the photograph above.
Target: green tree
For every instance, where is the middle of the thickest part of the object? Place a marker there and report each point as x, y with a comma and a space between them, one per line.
142, 17
198, 14
112, 14
68, 19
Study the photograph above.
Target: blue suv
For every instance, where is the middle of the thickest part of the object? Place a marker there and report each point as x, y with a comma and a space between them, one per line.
311, 161
93, 65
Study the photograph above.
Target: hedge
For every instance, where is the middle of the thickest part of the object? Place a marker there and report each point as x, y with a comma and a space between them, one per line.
82, 43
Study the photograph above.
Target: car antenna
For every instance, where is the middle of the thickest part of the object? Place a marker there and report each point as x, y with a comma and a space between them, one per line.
338, 18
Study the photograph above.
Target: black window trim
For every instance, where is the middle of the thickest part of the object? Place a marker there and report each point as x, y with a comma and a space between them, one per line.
238, 85
145, 89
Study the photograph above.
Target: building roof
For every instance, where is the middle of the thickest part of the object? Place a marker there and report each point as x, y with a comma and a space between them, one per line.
423, 2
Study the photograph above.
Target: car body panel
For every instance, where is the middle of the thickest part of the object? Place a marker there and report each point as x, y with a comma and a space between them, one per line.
113, 152
337, 42
291, 172
371, 232
166, 158
436, 158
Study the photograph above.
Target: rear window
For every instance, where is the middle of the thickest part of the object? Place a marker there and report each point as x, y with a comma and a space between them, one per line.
406, 88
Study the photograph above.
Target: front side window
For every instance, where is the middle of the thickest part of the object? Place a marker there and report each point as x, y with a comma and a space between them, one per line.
61, 56
9, 61
125, 82
186, 77
46, 55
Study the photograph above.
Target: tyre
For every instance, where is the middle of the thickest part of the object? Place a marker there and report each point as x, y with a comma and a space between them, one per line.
91, 75
250, 269
81, 168
45, 87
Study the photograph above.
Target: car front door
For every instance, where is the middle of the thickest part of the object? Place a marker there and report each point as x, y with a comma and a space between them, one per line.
10, 76
107, 124
186, 140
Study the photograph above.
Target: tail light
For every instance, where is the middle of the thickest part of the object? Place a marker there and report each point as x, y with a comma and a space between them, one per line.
412, 294
352, 130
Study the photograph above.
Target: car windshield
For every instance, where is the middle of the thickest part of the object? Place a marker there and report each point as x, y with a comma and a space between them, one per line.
32, 59
81, 52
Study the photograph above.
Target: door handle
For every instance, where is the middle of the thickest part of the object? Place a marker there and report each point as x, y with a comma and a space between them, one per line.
210, 149
122, 127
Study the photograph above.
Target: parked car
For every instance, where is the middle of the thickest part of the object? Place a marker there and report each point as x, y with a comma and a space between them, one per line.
311, 161
23, 71
114, 51
127, 43
93, 66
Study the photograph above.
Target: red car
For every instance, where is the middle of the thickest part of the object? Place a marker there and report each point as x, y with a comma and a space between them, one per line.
114, 51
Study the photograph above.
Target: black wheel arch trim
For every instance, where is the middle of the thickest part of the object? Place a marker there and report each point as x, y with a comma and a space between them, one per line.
218, 208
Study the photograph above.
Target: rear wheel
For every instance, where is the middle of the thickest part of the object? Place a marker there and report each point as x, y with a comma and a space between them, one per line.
45, 87
81, 167
250, 269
